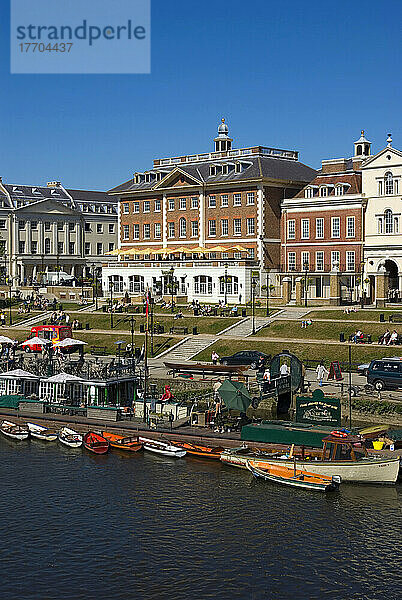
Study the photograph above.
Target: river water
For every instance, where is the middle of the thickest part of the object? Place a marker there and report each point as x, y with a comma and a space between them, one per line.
116, 527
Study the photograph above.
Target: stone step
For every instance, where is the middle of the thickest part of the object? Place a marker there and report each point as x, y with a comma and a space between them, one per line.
190, 347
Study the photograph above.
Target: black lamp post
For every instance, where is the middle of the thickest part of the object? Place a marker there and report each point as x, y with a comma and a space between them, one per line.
226, 284
306, 268
361, 284
171, 271
111, 302
253, 286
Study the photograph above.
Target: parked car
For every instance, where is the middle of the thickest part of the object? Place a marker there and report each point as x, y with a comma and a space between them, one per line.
385, 373
245, 357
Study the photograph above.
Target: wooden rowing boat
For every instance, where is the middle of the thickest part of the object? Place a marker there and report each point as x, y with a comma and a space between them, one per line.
199, 450
130, 443
162, 448
94, 442
294, 477
41, 433
14, 431
70, 438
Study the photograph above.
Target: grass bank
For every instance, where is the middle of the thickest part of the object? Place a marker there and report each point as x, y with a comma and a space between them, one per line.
319, 330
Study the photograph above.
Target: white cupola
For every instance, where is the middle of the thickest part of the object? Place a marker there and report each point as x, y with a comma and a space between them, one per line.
223, 142
362, 146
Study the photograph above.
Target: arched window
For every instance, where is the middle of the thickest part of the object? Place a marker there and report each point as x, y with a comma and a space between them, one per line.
358, 150
136, 284
389, 183
182, 227
202, 285
232, 285
388, 221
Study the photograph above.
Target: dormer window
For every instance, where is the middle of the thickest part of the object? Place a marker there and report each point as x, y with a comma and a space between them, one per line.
309, 192
16, 190
137, 178
36, 191
225, 169
237, 167
323, 191
212, 170
339, 190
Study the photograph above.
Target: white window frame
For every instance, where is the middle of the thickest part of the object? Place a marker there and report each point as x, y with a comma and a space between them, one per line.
319, 260
250, 198
158, 205
309, 192
335, 258
237, 199
291, 229
126, 232
350, 227
225, 227
182, 227
126, 208
147, 231
236, 226
136, 231
350, 265
324, 191
157, 230
224, 201
171, 230
194, 202
291, 261
212, 201
183, 203
319, 225
136, 207
305, 229
305, 258
212, 228
147, 206
194, 229
171, 204
333, 232
250, 223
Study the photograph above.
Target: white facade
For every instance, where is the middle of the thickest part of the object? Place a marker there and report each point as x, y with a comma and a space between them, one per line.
382, 189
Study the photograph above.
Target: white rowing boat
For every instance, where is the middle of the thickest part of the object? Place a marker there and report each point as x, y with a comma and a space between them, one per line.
14, 431
162, 448
70, 438
41, 433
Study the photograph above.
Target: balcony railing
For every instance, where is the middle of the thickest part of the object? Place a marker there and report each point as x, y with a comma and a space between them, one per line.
207, 156
299, 269
145, 263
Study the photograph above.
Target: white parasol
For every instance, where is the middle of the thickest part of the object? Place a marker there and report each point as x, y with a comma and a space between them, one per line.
70, 342
37, 341
18, 373
64, 378
5, 340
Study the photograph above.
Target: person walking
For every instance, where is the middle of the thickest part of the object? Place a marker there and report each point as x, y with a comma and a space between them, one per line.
284, 370
2, 319
321, 371
214, 357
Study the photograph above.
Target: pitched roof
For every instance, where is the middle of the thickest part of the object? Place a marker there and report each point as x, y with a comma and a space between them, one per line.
354, 180
34, 193
254, 167
90, 195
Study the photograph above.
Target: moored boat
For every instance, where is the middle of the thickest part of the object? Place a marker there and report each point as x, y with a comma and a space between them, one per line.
14, 431
293, 477
345, 457
130, 443
41, 433
94, 442
70, 438
200, 450
162, 448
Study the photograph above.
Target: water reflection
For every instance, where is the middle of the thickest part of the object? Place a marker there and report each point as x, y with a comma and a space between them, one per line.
141, 525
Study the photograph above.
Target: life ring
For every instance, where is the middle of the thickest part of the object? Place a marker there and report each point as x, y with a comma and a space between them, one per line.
339, 434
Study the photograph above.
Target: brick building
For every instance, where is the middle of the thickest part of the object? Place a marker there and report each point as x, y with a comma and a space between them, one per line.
322, 233
214, 218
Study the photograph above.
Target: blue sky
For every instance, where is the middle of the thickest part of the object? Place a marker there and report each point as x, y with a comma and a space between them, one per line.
299, 75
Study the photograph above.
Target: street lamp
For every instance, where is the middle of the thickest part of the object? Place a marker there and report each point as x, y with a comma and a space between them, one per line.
361, 284
111, 301
253, 286
94, 286
306, 268
226, 284
171, 271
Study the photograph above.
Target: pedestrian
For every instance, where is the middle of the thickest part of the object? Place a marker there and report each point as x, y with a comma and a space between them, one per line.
2, 318
216, 386
393, 338
214, 357
267, 375
321, 371
284, 370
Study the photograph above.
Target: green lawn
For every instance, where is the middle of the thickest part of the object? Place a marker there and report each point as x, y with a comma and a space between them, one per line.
360, 315
204, 324
320, 330
328, 353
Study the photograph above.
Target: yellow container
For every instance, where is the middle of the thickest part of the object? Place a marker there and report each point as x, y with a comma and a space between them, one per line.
378, 445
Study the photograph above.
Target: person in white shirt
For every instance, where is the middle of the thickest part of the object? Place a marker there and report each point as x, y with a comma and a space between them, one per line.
321, 371
284, 370
393, 338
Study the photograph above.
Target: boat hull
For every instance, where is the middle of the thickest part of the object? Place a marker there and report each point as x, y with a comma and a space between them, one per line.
14, 431
326, 485
200, 451
70, 438
70, 444
95, 443
41, 433
118, 442
162, 448
379, 471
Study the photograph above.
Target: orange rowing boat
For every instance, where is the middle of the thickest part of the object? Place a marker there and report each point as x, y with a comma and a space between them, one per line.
131, 443
198, 450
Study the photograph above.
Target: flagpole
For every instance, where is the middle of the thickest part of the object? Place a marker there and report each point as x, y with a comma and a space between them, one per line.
146, 354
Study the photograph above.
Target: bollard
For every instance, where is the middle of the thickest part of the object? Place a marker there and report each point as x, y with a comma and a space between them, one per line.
382, 318
341, 337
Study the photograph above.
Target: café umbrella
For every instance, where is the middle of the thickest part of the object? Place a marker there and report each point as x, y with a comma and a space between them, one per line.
235, 395
5, 340
70, 342
36, 341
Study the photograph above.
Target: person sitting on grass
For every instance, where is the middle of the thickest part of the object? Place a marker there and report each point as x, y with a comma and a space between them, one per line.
393, 338
358, 336
384, 338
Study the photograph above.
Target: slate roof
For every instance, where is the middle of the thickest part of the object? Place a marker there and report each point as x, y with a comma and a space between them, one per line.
353, 179
34, 193
90, 196
254, 167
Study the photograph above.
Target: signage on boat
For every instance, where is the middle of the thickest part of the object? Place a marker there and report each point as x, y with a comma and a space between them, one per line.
318, 410
335, 371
